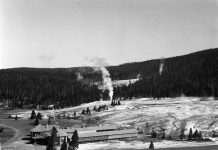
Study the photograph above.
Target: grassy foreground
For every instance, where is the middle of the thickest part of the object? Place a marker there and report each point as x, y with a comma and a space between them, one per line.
6, 134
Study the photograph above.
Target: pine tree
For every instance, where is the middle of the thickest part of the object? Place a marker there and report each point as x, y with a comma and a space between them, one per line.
153, 134
195, 135
94, 109
83, 111
88, 111
64, 145
163, 136
36, 123
74, 143
16, 118
52, 140
200, 136
113, 103
146, 126
39, 116
151, 146
119, 103
190, 135
182, 133
213, 133
33, 115
49, 144
99, 109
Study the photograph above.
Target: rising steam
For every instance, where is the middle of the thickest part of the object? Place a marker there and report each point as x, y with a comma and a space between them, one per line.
161, 66
106, 83
79, 76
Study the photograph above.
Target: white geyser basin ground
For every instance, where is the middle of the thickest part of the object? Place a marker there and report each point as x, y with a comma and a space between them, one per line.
165, 113
134, 145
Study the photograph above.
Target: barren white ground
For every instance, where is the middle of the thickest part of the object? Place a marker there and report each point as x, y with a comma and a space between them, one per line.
165, 113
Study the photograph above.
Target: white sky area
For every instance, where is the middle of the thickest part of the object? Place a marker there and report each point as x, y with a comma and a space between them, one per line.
69, 33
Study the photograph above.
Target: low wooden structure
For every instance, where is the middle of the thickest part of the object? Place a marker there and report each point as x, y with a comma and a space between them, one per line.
38, 130
107, 135
70, 130
40, 134
87, 134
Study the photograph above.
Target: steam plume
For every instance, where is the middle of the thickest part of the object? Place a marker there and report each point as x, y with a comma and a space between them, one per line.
106, 83
138, 76
79, 76
161, 66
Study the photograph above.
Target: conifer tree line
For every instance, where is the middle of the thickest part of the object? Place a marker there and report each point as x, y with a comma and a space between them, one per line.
192, 136
197, 135
194, 74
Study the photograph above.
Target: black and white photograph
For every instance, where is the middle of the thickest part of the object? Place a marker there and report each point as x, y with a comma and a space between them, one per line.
108, 74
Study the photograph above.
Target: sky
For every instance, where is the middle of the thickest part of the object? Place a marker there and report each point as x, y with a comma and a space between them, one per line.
71, 33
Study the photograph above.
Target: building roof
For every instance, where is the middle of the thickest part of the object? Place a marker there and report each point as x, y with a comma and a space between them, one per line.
49, 127
107, 133
39, 128
61, 133
91, 129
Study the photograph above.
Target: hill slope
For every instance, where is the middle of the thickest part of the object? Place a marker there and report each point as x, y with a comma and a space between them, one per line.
37, 86
194, 74
151, 67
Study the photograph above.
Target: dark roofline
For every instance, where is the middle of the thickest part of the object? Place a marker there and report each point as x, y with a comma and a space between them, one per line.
108, 133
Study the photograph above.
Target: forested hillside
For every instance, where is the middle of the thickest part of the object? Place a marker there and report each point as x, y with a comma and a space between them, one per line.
64, 87
193, 74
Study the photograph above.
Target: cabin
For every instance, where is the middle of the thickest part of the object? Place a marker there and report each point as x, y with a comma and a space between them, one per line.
40, 133
38, 130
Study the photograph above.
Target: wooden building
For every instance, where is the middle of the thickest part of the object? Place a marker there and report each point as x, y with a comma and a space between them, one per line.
61, 136
40, 133
88, 134
70, 130
107, 135
38, 130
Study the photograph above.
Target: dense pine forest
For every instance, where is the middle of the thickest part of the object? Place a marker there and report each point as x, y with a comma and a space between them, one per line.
194, 74
31, 87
